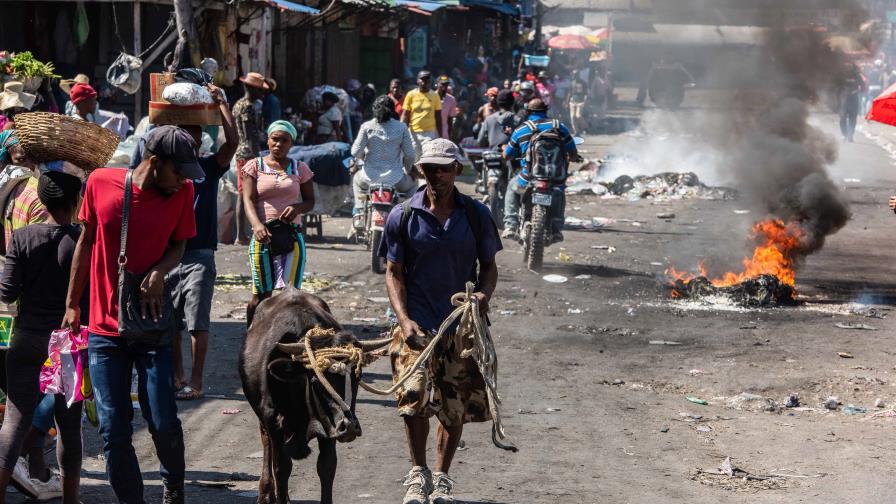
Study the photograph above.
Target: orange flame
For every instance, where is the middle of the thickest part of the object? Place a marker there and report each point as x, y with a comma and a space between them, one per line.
773, 255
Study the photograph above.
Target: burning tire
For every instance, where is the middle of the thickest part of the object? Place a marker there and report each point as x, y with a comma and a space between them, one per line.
535, 243
377, 263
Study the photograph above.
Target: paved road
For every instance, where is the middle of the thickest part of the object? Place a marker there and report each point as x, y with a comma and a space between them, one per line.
582, 438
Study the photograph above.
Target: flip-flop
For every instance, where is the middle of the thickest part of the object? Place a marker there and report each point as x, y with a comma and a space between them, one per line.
188, 393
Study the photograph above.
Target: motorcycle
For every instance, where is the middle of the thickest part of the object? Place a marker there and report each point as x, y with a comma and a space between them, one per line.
378, 202
491, 179
539, 194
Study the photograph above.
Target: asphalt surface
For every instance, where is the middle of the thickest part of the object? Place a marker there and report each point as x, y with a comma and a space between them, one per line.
598, 412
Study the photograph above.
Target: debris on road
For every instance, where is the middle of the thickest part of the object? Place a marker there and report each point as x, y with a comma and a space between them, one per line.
665, 215
879, 403
854, 410
751, 402
231, 411
697, 400
696, 372
858, 327
552, 410
667, 186
558, 279
378, 299
564, 257
792, 401
664, 429
664, 342
831, 403
761, 291
845, 355
582, 277
741, 212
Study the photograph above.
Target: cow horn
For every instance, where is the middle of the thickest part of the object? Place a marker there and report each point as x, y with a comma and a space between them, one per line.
369, 346
292, 348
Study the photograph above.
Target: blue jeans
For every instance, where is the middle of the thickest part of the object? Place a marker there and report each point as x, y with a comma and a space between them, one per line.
111, 362
513, 202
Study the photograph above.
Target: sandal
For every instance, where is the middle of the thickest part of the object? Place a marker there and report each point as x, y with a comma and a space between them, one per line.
188, 393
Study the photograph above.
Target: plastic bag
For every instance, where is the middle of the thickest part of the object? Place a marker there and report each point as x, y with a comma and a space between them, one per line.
124, 73
186, 93
66, 369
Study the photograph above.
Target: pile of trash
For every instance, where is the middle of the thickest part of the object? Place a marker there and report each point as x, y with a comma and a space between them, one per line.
759, 292
661, 187
667, 186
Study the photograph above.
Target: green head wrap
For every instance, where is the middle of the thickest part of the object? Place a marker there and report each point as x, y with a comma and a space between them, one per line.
8, 138
282, 125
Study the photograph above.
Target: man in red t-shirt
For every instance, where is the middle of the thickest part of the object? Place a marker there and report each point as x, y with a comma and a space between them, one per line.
160, 222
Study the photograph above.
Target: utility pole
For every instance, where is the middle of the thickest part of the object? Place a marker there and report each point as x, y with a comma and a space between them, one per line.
186, 31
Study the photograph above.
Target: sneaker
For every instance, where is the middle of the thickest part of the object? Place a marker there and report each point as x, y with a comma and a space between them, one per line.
443, 485
510, 234
50, 489
173, 496
21, 481
419, 483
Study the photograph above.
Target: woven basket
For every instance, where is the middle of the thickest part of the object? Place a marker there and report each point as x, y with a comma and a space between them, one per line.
49, 137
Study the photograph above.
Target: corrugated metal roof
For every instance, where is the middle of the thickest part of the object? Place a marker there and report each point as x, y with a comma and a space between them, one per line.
292, 6
600, 4
498, 5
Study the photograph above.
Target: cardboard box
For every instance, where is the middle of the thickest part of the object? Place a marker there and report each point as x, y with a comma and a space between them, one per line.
157, 84
196, 115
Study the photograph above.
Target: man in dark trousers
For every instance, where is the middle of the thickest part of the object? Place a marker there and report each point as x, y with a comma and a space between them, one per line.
433, 246
160, 222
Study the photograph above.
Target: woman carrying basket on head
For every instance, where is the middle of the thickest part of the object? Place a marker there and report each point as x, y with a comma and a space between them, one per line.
276, 192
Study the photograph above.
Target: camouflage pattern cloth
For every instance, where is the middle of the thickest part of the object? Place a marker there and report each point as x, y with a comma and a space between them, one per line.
448, 387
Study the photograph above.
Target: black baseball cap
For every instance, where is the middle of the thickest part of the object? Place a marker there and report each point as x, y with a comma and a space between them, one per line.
424, 74
171, 142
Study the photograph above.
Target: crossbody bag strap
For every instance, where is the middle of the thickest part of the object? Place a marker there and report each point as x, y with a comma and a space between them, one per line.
125, 212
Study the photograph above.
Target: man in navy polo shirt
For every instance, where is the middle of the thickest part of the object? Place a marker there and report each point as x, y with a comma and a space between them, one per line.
432, 249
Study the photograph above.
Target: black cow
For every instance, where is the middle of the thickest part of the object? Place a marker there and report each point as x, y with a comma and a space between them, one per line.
291, 404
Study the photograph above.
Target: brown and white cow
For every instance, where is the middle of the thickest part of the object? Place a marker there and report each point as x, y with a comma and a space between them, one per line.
291, 404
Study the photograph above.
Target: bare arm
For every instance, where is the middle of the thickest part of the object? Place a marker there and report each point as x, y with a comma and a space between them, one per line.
290, 213
406, 116
78, 278
488, 280
231, 139
152, 289
250, 197
396, 288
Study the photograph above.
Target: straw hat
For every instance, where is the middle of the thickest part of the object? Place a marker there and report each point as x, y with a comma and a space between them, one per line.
255, 80
14, 96
67, 84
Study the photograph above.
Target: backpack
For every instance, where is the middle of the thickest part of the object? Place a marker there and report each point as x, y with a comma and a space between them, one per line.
546, 155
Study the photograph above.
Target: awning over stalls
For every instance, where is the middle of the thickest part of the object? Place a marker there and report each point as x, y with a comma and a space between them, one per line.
292, 6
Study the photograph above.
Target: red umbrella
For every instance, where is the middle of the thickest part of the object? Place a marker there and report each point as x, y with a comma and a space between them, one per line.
883, 109
570, 42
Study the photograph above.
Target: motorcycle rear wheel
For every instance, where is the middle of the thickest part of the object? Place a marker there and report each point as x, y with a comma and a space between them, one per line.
536, 242
377, 263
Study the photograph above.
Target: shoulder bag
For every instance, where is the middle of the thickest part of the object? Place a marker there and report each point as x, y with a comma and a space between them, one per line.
131, 325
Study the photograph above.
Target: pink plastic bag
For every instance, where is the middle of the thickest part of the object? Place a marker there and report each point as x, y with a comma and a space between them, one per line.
66, 371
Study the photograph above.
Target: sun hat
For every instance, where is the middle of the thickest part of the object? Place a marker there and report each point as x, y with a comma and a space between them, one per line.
256, 80
66, 84
14, 96
439, 151
81, 92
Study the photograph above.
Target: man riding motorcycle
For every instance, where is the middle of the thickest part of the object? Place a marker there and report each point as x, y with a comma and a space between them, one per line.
497, 127
517, 148
386, 147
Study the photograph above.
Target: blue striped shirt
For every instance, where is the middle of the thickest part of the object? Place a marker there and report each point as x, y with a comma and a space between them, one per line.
519, 141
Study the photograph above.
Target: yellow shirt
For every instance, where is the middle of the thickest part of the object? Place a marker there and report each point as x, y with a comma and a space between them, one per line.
423, 108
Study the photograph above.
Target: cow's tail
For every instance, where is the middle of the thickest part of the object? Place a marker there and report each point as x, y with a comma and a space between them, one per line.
509, 446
